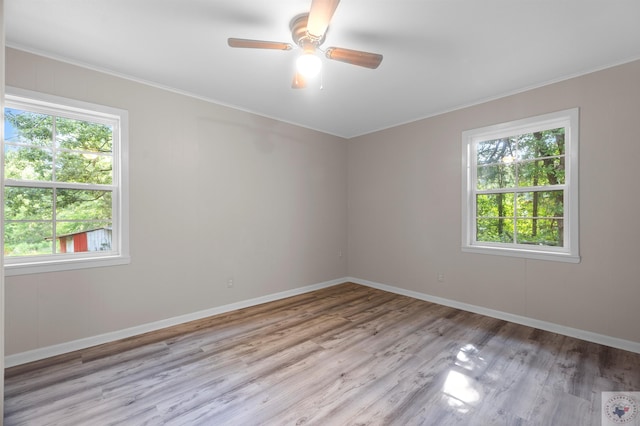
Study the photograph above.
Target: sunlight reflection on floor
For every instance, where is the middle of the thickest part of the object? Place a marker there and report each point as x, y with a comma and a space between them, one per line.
462, 392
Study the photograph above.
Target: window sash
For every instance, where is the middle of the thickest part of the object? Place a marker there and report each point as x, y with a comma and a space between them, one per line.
117, 119
567, 119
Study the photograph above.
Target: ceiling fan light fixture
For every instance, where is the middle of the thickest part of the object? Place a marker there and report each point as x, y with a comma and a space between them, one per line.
308, 64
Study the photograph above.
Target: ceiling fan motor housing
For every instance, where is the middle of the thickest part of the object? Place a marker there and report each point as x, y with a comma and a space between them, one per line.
301, 36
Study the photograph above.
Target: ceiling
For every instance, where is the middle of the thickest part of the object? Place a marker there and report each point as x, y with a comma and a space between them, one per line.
439, 55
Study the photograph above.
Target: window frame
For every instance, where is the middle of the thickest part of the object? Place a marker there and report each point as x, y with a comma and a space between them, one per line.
569, 119
80, 110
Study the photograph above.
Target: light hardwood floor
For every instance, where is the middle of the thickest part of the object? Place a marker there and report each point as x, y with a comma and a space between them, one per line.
345, 355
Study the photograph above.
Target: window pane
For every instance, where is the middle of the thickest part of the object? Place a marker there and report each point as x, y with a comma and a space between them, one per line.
547, 143
28, 203
27, 163
78, 237
497, 230
549, 171
547, 232
73, 204
28, 238
495, 177
83, 135
541, 204
83, 168
495, 151
494, 205
26, 127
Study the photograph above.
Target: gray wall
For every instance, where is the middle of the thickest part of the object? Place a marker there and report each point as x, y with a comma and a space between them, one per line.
405, 218
215, 193
219, 193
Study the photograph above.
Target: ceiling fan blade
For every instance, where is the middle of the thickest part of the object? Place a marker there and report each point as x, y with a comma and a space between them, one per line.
299, 81
354, 57
320, 16
258, 44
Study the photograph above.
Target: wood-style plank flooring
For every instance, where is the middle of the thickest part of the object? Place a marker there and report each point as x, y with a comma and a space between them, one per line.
345, 355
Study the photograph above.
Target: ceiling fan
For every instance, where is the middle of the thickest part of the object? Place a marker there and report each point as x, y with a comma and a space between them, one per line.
308, 32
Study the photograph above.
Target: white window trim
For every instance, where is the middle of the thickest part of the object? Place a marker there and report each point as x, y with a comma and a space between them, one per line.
570, 253
119, 255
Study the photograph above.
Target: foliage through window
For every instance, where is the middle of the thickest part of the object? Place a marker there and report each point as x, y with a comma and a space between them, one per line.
520, 188
64, 179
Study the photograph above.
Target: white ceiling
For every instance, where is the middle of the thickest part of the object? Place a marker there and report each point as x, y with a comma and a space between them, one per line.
439, 55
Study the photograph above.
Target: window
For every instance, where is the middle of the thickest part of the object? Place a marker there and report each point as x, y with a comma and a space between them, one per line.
520, 188
65, 168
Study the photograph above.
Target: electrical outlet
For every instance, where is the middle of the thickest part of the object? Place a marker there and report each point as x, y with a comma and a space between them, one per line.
440, 277
230, 283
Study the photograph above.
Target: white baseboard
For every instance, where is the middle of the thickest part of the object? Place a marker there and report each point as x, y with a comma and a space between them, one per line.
49, 351
589, 336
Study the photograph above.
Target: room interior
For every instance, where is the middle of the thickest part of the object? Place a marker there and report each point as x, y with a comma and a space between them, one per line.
287, 191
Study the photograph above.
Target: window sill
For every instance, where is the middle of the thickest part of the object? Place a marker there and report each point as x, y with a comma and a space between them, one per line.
24, 268
527, 254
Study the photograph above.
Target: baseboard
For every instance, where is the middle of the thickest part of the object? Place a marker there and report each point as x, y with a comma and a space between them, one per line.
589, 336
62, 348
49, 351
